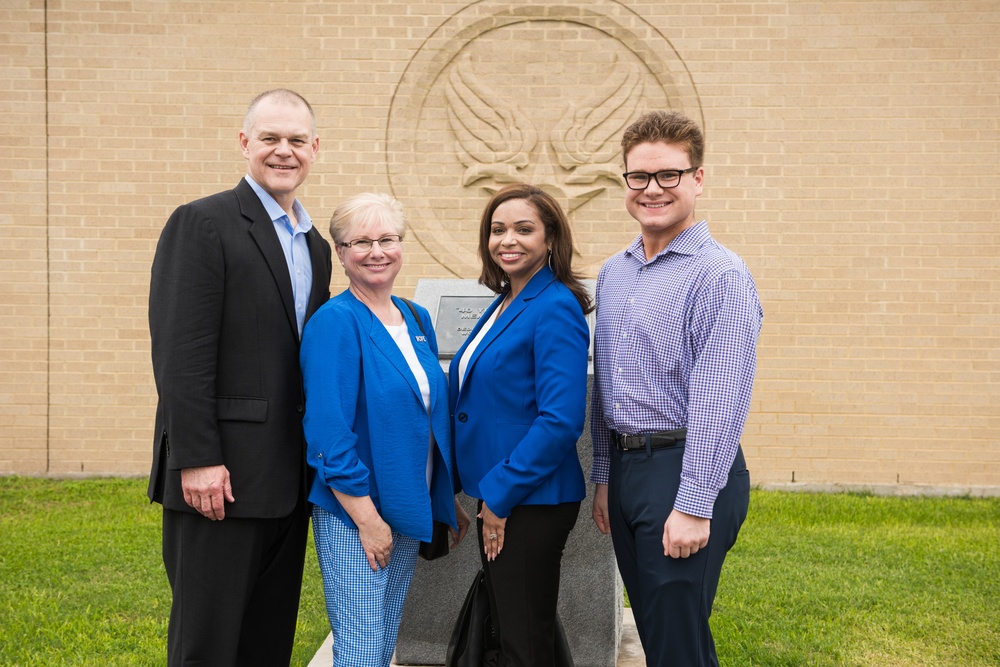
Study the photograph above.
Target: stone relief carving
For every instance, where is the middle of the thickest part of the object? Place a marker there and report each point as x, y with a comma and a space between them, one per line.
533, 92
495, 138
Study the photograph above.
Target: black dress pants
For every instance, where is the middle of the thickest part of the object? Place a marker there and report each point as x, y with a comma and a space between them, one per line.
671, 597
523, 581
236, 586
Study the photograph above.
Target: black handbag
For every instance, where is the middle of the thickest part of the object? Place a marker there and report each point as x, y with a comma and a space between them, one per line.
473, 642
440, 544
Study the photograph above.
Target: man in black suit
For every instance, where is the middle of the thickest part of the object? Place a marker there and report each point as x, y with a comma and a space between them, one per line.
234, 279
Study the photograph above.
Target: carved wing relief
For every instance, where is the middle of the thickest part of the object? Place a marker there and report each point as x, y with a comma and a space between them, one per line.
585, 138
495, 139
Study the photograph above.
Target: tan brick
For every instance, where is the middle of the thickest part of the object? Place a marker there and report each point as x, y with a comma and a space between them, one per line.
851, 161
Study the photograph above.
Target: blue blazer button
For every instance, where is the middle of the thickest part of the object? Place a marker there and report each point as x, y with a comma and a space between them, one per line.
462, 417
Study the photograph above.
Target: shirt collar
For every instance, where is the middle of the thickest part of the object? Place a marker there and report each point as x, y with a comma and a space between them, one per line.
686, 243
277, 213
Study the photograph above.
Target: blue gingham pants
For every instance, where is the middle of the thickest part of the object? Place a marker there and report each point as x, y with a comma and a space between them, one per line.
364, 606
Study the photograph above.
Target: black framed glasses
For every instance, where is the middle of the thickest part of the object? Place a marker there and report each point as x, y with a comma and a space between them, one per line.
666, 179
388, 242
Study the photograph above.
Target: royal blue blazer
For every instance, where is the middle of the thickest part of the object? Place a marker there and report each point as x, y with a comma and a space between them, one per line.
367, 431
521, 407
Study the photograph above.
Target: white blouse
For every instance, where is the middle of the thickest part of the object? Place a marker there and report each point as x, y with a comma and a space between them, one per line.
463, 363
401, 335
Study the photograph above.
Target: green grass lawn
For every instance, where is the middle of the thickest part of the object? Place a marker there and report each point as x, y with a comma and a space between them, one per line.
862, 580
82, 582
814, 580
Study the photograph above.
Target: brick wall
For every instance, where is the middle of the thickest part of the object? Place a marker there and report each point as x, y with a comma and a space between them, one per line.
852, 162
24, 336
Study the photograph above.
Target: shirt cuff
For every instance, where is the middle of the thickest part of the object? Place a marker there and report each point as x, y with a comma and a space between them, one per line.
695, 500
600, 469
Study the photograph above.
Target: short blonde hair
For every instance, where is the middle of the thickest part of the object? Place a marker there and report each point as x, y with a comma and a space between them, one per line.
363, 211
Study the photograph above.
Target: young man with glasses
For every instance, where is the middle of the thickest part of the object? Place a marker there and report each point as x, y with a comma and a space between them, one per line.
674, 358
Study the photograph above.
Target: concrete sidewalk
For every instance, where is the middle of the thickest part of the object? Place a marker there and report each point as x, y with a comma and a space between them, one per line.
629, 652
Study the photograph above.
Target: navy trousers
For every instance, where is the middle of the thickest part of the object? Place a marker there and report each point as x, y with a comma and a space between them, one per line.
671, 598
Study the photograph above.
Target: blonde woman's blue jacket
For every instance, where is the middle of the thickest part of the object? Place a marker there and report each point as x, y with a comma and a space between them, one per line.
521, 408
365, 423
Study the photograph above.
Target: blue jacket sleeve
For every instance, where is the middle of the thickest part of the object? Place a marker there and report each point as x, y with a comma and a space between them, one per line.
332, 374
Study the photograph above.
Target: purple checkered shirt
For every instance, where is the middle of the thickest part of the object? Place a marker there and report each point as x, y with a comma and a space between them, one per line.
676, 346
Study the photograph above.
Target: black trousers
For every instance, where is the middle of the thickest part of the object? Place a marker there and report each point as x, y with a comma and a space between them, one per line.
236, 586
523, 581
671, 597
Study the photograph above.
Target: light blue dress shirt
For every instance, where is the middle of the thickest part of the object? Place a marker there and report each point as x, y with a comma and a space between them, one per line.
293, 243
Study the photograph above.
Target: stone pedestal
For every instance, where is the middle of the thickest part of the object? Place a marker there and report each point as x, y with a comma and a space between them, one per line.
590, 592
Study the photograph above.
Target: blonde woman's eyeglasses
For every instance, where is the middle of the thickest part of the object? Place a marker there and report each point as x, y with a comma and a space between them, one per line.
389, 242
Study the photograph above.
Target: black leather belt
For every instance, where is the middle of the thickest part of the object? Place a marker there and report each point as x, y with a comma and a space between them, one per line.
657, 440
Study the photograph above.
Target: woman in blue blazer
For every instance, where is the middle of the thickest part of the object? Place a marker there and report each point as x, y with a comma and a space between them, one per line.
518, 398
378, 435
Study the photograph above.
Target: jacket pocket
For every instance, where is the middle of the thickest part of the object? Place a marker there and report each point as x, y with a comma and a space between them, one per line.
238, 408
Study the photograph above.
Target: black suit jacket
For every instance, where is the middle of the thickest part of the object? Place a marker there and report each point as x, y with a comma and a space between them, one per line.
225, 350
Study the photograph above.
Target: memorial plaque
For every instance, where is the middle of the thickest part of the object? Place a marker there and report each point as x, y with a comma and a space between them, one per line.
457, 305
456, 318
